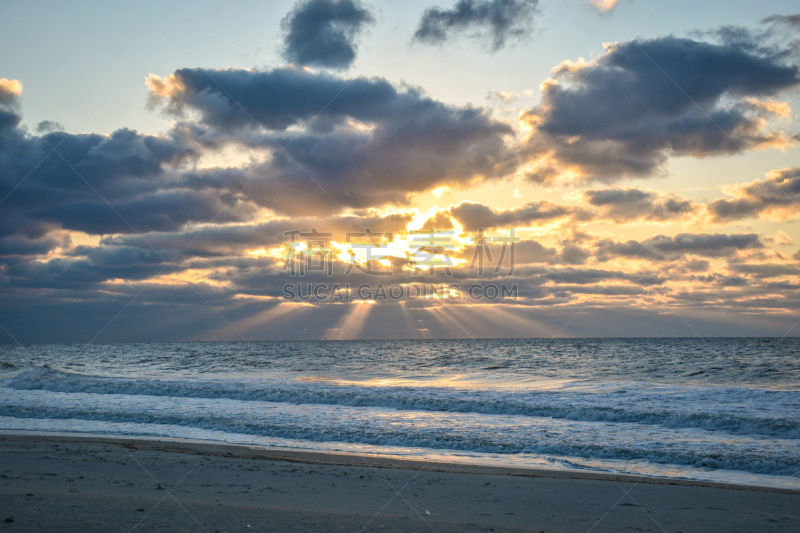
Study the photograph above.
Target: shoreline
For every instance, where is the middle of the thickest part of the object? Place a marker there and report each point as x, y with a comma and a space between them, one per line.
349, 459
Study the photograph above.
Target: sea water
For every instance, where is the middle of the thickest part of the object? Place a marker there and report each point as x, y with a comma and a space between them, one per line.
725, 410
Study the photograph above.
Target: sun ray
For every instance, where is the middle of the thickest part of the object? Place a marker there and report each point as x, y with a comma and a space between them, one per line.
352, 324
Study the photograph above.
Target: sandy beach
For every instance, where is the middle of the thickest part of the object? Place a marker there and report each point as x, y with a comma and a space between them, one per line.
68, 483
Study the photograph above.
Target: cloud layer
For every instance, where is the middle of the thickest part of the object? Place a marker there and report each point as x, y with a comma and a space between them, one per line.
91, 224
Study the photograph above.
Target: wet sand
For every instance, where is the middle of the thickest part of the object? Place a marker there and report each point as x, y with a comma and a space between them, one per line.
66, 483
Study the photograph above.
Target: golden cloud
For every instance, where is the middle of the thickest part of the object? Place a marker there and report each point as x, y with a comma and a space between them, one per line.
604, 6
12, 87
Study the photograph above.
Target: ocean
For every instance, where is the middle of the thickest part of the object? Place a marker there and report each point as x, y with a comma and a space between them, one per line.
724, 410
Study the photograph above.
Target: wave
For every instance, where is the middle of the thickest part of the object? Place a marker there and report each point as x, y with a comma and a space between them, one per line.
733, 411
776, 459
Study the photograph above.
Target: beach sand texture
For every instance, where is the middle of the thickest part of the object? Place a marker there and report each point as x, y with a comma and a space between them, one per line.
60, 483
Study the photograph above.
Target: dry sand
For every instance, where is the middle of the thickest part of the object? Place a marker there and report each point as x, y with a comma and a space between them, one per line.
63, 483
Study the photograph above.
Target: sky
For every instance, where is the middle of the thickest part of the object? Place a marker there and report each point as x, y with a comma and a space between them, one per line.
344, 169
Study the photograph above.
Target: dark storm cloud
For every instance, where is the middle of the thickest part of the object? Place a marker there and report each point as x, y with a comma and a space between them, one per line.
624, 204
322, 33
495, 21
778, 196
625, 113
371, 145
665, 248
473, 216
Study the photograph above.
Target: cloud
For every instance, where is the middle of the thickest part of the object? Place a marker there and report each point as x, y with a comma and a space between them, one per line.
10, 91
624, 113
236, 240
526, 252
665, 248
790, 20
322, 33
531, 252
356, 142
440, 221
494, 21
18, 248
93, 266
573, 255
766, 270
502, 97
777, 197
614, 204
473, 216
629, 204
592, 275
93, 179
696, 265
604, 6
161, 211
342, 154
232, 99
49, 126
781, 238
